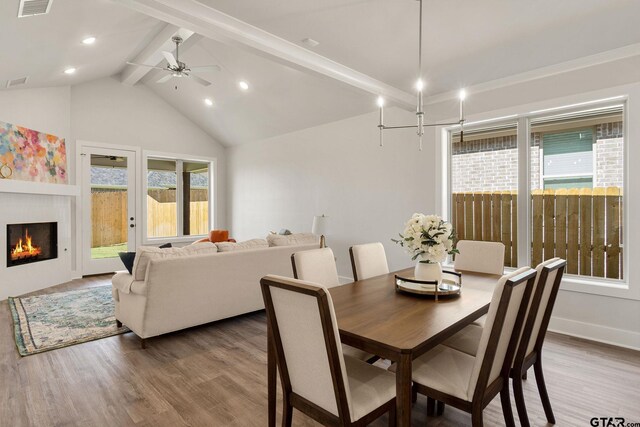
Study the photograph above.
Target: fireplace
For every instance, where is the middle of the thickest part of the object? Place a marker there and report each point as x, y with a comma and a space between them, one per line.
33, 242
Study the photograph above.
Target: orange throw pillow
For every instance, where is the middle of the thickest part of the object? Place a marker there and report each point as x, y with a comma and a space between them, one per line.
216, 236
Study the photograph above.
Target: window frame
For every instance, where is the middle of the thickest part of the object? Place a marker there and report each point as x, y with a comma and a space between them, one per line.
179, 159
619, 288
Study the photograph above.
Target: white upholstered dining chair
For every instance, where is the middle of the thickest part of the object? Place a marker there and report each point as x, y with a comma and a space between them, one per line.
368, 260
470, 382
480, 257
529, 353
317, 379
319, 266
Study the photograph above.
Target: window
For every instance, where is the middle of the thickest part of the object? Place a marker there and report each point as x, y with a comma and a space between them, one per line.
178, 197
575, 208
484, 183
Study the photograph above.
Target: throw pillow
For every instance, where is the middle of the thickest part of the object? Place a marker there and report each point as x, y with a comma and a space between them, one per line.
294, 239
127, 259
216, 236
242, 246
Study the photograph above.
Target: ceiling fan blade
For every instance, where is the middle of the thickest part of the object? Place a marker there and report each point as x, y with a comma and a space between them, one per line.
165, 78
200, 80
145, 65
170, 58
206, 69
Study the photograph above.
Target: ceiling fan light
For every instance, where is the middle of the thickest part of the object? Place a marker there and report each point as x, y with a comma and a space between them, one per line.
420, 85
243, 85
462, 95
208, 102
380, 102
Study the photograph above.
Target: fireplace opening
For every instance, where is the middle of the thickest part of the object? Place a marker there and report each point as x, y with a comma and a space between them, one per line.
33, 242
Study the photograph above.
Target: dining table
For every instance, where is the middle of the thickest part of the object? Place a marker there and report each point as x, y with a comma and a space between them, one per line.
374, 316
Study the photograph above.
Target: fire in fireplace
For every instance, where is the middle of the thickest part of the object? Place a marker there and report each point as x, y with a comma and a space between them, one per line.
25, 250
32, 242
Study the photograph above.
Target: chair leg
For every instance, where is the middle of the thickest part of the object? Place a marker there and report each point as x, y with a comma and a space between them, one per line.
476, 417
287, 411
143, 343
439, 408
524, 376
431, 407
518, 394
542, 389
392, 415
414, 395
505, 400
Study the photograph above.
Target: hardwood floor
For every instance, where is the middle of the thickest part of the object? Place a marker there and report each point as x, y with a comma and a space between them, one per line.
214, 375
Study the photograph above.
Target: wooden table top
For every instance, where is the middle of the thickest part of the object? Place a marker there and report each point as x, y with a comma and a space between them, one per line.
373, 316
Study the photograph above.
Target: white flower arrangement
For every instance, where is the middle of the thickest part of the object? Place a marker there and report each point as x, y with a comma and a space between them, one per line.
427, 238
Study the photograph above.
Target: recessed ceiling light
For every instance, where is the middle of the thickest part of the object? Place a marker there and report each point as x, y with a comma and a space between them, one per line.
70, 70
208, 102
243, 85
310, 42
89, 40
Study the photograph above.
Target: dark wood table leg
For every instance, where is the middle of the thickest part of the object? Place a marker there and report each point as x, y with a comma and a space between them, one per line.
271, 378
403, 391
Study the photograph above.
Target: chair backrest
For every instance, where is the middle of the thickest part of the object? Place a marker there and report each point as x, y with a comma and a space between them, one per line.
316, 266
368, 260
502, 329
481, 257
305, 333
543, 297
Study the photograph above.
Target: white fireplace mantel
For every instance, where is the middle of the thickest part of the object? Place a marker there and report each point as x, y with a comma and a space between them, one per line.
27, 187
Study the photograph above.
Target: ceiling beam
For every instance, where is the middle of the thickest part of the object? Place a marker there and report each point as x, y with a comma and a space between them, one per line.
224, 28
152, 53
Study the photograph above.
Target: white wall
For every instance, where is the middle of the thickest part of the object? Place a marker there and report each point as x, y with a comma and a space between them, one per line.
336, 169
107, 111
368, 192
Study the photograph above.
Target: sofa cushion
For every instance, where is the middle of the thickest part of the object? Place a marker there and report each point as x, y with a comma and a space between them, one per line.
294, 239
147, 253
242, 246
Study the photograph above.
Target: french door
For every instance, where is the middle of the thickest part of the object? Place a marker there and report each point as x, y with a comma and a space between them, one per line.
108, 207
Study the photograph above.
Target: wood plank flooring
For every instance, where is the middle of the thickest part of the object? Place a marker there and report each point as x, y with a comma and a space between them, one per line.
214, 375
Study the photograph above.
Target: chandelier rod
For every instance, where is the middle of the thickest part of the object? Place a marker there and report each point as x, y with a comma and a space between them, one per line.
420, 42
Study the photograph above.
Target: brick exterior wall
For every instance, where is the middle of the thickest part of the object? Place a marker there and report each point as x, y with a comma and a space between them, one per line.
490, 164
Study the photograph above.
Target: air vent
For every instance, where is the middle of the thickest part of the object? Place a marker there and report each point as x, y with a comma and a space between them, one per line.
16, 82
34, 7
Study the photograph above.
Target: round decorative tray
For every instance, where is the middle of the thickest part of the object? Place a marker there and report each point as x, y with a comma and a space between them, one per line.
448, 286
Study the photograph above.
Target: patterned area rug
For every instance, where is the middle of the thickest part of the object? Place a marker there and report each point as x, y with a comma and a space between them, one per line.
50, 321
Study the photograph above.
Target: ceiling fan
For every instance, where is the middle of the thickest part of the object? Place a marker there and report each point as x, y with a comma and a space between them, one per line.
176, 68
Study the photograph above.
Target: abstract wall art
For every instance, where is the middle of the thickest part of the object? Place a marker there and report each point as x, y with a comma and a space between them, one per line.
29, 155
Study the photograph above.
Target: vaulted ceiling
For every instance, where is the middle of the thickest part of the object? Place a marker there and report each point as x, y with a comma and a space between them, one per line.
466, 43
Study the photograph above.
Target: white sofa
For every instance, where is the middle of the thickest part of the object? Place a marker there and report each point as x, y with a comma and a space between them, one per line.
181, 292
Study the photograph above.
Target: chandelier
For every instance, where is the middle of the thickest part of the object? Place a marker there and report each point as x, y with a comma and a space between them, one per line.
419, 108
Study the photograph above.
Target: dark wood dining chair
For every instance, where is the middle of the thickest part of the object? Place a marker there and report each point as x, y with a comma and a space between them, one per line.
316, 377
529, 352
469, 382
368, 260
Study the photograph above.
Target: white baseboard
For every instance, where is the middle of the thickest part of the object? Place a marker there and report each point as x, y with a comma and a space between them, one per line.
593, 332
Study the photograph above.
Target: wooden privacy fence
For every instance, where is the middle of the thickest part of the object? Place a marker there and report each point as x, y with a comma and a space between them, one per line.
583, 226
109, 216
